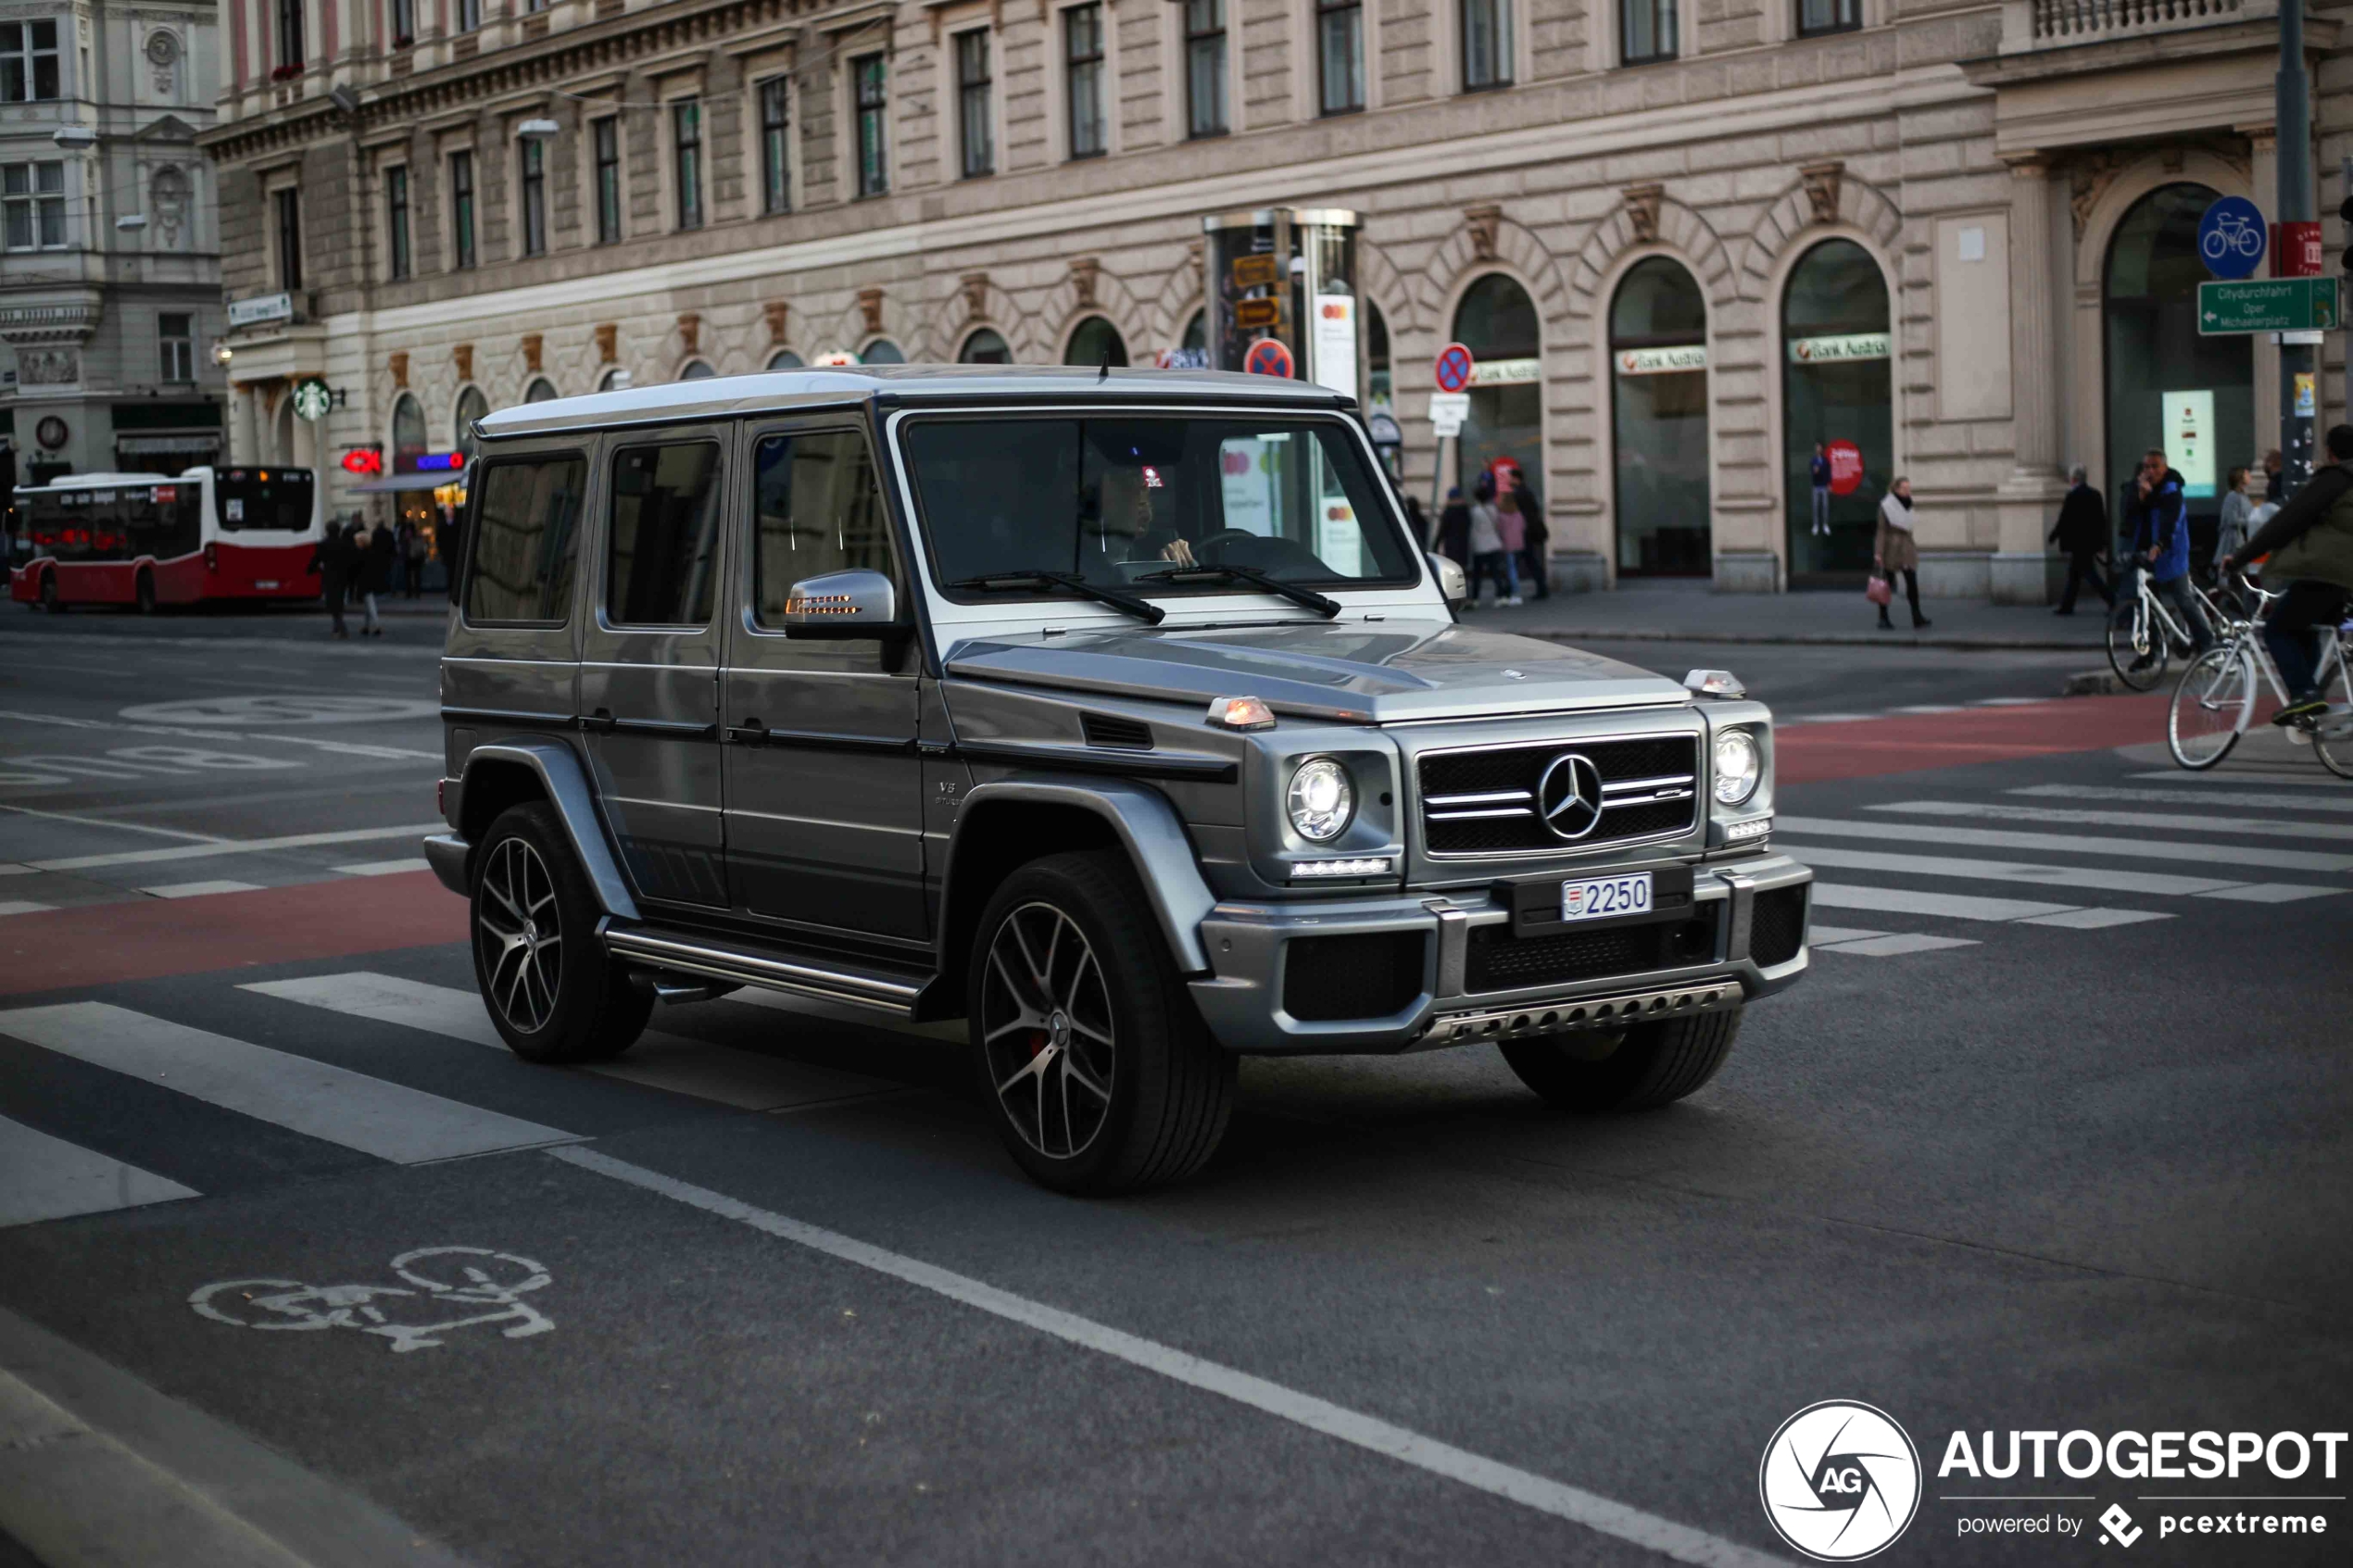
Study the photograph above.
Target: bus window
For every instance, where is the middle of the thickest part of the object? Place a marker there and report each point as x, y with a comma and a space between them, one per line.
162, 523
275, 498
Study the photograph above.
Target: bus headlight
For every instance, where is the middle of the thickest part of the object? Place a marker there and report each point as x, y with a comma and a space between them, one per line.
1739, 768
1322, 800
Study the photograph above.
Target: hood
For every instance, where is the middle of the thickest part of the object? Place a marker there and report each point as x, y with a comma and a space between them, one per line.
1352, 672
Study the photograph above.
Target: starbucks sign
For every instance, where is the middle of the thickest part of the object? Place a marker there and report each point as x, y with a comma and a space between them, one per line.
312, 399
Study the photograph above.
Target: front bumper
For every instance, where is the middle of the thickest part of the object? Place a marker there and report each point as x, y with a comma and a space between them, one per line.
446, 853
1248, 944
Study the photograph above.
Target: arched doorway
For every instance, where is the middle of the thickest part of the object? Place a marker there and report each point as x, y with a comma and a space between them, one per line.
1096, 341
416, 507
2166, 385
696, 369
784, 360
1658, 421
282, 437
471, 405
1837, 392
407, 434
882, 351
986, 346
1497, 322
540, 391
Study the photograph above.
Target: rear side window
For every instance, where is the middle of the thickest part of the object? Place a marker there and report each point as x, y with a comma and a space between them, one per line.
818, 509
664, 539
527, 532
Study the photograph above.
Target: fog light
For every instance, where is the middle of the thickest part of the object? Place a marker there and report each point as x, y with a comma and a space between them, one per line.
1363, 865
1756, 827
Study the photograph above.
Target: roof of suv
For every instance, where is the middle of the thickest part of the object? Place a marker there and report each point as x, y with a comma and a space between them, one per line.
717, 397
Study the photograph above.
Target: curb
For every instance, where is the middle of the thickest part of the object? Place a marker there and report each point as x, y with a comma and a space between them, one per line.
1819, 639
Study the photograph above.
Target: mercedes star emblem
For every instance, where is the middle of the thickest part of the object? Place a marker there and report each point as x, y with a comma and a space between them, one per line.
1570, 795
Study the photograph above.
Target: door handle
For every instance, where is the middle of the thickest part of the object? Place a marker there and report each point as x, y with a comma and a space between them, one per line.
751, 731
603, 718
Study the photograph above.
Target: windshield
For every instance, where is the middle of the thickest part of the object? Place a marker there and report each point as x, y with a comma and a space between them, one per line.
272, 499
1119, 498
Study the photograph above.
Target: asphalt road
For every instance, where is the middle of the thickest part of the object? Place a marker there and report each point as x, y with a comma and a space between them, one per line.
2053, 1137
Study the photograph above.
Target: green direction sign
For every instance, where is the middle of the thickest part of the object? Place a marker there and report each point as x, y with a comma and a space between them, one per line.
2268, 304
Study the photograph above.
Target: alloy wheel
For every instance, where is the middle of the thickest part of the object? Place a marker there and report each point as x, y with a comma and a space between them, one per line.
517, 924
1046, 1031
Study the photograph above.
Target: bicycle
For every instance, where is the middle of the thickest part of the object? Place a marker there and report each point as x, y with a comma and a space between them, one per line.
2215, 699
2149, 626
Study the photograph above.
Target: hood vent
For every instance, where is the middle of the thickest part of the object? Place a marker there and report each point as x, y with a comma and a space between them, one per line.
1120, 734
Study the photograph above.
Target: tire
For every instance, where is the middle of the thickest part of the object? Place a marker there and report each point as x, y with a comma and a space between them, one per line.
2123, 648
1648, 1064
578, 1006
49, 600
1092, 1059
142, 593
2336, 755
2210, 707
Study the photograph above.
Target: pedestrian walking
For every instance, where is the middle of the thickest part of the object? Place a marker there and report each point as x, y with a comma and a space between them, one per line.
1895, 550
1489, 562
445, 545
2275, 476
414, 548
375, 573
1511, 527
2081, 531
2238, 512
1820, 470
332, 560
1536, 551
2310, 545
1453, 528
1419, 520
2161, 547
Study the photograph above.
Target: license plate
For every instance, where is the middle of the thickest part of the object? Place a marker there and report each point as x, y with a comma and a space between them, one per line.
265, 581
1604, 897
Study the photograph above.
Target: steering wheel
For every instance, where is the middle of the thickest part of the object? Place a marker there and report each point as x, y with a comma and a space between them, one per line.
1207, 550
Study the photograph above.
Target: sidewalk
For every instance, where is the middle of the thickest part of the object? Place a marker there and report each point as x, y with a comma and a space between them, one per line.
1689, 612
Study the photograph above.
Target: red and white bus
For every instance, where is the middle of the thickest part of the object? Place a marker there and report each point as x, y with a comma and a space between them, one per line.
144, 540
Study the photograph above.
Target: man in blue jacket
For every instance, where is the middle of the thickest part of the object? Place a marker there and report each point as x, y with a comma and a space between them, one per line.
2161, 547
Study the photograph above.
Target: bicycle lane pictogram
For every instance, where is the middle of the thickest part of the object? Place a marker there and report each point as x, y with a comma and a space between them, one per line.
439, 1280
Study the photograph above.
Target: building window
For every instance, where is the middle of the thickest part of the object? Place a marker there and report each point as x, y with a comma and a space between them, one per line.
534, 197
289, 50
872, 103
404, 23
1646, 30
607, 134
1096, 344
775, 173
685, 125
288, 203
986, 346
34, 195
1206, 67
27, 61
1082, 79
1340, 49
972, 103
397, 221
175, 335
469, 16
1816, 16
461, 207
1487, 43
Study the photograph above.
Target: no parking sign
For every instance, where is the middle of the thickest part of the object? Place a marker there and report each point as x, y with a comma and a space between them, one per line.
1267, 356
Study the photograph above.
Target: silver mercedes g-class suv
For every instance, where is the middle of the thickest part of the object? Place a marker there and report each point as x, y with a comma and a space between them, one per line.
1116, 712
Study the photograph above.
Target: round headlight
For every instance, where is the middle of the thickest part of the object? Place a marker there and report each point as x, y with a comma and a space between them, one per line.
1738, 766
1321, 798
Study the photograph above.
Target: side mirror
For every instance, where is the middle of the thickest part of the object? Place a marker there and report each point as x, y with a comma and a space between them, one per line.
843, 604
1450, 581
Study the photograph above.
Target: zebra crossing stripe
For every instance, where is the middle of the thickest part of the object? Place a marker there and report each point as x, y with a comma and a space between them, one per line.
47, 1178
1947, 906
2066, 844
2261, 800
2162, 822
2159, 884
390, 1120
1900, 944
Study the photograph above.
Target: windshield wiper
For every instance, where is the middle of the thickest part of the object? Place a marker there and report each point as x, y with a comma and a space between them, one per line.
1321, 605
994, 581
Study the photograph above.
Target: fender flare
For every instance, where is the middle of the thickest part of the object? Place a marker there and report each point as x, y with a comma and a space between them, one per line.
566, 784
1148, 828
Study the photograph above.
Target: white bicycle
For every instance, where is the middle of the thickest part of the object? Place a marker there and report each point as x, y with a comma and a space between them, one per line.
2215, 700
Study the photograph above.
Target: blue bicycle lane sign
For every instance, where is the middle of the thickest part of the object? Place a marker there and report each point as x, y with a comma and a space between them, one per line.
2231, 237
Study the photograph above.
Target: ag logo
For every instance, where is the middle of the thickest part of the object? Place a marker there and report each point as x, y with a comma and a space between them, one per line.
1840, 1481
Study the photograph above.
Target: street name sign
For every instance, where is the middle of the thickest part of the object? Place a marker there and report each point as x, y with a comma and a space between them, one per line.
1447, 412
2268, 304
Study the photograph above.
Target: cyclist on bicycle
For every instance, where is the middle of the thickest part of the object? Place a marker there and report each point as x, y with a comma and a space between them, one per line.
2160, 522
2311, 544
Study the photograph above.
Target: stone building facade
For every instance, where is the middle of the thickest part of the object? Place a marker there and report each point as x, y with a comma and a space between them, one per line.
109, 253
1942, 238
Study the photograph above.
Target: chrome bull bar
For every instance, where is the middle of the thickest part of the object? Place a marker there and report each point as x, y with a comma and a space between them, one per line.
1529, 1019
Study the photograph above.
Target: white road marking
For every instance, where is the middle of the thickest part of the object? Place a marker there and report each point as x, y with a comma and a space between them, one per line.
419, 863
236, 846
200, 889
1823, 935
24, 906
2178, 775
1928, 708
107, 822
746, 1080
2064, 844
1896, 946
2160, 884
1830, 717
2162, 821
443, 1278
389, 1121
47, 1178
1911, 901
2258, 798
2009, 701
2094, 919
1574, 1504
284, 707
352, 748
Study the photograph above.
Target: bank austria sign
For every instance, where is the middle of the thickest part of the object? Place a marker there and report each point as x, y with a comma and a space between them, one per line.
1830, 350
1662, 361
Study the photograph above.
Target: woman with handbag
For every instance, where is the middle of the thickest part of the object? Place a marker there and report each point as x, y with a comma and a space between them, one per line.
1894, 551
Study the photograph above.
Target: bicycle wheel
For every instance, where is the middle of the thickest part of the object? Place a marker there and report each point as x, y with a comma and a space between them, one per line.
2210, 707
2335, 753
2131, 636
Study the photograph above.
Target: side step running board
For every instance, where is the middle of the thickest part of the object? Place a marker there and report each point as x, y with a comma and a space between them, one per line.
832, 980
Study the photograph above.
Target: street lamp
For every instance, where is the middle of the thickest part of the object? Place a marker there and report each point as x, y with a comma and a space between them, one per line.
221, 354
74, 136
130, 222
539, 130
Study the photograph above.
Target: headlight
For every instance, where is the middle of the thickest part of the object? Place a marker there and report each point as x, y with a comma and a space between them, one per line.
1738, 766
1322, 800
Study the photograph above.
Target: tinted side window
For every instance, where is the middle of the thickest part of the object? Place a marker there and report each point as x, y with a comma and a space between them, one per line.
818, 510
665, 541
526, 530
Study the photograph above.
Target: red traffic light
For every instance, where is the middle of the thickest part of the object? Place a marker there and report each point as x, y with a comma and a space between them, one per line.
363, 459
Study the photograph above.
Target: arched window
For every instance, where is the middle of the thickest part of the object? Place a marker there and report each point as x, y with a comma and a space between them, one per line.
1096, 341
614, 380
1659, 412
2167, 386
409, 439
696, 369
986, 346
471, 405
882, 351
784, 360
1497, 322
540, 391
1377, 368
283, 435
1837, 387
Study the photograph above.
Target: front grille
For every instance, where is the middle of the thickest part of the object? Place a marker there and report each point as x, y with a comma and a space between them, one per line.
1496, 960
1776, 925
1329, 977
1485, 802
